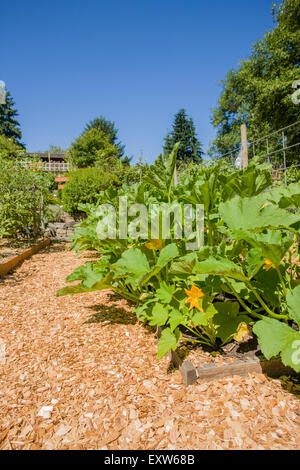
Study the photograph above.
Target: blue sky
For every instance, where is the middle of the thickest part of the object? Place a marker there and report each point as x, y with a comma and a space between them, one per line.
136, 62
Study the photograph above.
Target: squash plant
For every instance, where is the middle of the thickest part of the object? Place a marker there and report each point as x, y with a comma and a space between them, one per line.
245, 276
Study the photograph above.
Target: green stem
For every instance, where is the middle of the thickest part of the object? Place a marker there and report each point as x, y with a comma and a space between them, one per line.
281, 280
197, 341
125, 294
237, 296
263, 304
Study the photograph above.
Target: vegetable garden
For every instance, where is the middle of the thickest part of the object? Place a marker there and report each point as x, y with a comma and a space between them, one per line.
242, 281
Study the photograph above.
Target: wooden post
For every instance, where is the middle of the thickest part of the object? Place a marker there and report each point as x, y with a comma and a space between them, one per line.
284, 158
244, 146
42, 213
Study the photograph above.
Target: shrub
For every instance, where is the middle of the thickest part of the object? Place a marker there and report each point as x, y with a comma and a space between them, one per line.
23, 193
84, 187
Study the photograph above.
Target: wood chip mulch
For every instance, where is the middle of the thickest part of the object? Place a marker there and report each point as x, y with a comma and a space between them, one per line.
79, 372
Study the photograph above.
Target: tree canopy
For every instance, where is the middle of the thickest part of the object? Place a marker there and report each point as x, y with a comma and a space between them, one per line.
108, 128
259, 92
92, 148
184, 132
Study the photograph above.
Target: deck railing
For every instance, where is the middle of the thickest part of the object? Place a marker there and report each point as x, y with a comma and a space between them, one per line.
54, 167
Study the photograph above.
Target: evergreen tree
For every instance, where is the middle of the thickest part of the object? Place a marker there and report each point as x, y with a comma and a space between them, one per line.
184, 132
9, 126
109, 129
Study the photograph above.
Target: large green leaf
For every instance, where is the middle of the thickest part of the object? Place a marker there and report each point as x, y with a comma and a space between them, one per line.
227, 319
159, 315
168, 340
167, 254
203, 318
254, 261
268, 285
276, 337
104, 283
286, 197
161, 173
184, 265
272, 244
253, 214
220, 267
165, 292
90, 273
175, 319
132, 265
293, 303
248, 182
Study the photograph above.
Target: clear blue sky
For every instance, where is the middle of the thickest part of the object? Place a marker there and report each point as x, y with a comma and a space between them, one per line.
136, 62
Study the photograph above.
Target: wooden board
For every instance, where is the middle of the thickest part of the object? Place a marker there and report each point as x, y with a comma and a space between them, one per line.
11, 263
209, 371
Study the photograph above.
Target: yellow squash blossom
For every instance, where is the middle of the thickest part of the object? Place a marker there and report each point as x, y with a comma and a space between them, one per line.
154, 245
269, 264
193, 297
243, 333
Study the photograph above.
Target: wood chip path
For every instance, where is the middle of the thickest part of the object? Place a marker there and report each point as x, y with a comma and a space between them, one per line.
79, 372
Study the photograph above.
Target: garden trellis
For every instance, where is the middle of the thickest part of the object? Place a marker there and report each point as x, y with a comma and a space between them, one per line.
279, 148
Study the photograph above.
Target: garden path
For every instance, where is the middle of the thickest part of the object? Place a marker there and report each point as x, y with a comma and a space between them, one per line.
80, 373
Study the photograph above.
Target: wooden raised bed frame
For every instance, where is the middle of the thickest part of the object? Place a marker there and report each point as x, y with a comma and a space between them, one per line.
210, 371
14, 261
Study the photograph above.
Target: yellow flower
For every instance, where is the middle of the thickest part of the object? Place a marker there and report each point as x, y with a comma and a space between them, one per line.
154, 245
269, 264
193, 297
243, 333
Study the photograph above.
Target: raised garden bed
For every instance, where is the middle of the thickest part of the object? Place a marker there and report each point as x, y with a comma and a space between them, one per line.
12, 247
13, 255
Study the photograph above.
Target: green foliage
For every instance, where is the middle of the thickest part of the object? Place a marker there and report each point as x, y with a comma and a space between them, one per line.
108, 128
293, 174
9, 126
248, 258
54, 149
259, 92
85, 186
184, 132
20, 199
279, 338
93, 148
9, 149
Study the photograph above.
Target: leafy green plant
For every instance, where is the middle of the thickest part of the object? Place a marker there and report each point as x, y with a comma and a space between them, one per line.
276, 337
245, 273
84, 186
21, 203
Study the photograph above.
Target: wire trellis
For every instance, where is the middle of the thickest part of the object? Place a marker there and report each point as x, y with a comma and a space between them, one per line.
279, 148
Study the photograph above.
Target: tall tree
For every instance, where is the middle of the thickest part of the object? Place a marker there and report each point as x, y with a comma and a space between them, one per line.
109, 129
184, 132
93, 148
9, 126
259, 92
